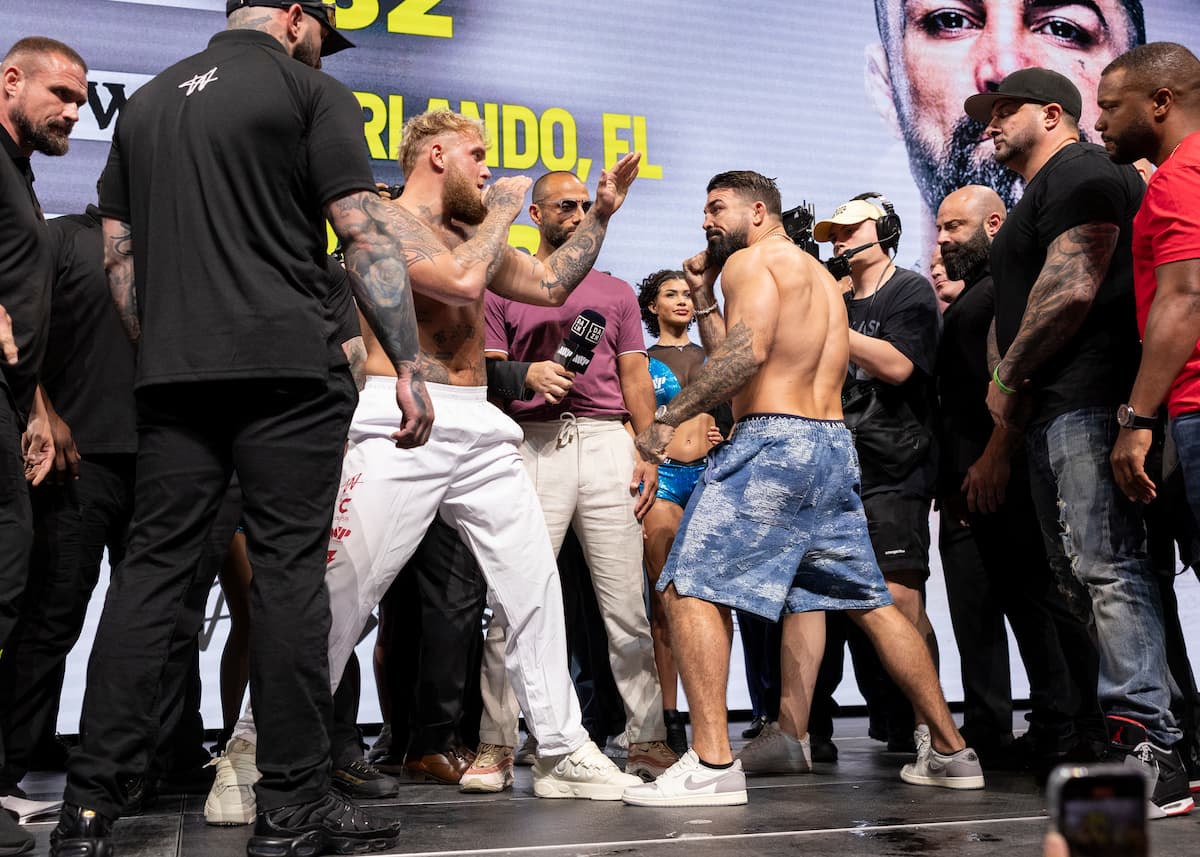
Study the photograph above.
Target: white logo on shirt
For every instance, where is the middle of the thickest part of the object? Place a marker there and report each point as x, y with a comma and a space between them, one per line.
199, 81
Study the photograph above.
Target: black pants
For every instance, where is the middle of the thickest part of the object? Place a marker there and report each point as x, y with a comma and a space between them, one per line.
434, 624
74, 524
761, 641
16, 527
1059, 652
284, 438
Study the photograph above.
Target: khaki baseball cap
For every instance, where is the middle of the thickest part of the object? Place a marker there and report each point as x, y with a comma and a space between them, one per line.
854, 211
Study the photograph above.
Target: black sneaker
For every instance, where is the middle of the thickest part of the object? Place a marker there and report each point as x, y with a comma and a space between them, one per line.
677, 738
360, 779
81, 833
1171, 795
823, 749
329, 824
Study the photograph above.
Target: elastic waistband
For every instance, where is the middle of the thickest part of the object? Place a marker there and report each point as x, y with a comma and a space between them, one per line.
445, 392
770, 416
674, 462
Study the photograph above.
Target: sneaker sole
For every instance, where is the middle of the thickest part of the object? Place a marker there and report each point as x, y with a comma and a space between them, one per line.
1167, 810
728, 799
554, 789
359, 793
316, 842
963, 783
479, 786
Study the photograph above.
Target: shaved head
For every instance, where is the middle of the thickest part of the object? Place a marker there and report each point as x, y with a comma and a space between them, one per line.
966, 221
976, 200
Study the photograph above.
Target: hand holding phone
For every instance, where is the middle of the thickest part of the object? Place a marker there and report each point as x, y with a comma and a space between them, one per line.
1100, 809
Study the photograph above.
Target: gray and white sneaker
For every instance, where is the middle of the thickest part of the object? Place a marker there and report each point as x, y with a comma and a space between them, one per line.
959, 770
774, 751
689, 783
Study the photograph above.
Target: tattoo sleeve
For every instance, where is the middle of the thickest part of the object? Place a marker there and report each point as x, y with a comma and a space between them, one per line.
727, 370
1061, 298
356, 355
378, 273
570, 263
118, 266
993, 347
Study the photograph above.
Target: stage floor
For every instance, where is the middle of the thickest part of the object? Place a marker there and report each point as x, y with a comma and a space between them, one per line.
857, 807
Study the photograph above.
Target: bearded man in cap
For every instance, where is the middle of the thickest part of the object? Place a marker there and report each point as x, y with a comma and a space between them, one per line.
1065, 329
225, 293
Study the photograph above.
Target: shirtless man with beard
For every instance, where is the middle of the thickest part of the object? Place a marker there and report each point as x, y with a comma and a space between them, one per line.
471, 470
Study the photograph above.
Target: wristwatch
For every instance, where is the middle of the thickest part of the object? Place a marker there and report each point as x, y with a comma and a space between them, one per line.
1128, 418
660, 415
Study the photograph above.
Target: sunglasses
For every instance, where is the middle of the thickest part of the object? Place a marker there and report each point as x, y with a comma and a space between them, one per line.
568, 206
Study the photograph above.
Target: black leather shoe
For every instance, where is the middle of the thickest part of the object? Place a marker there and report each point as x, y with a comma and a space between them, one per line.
756, 726
330, 824
677, 738
362, 780
81, 833
823, 749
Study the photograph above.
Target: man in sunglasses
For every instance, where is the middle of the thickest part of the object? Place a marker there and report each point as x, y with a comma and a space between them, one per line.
587, 473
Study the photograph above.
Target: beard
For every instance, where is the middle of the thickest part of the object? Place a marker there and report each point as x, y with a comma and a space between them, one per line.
554, 234
462, 199
1136, 141
967, 260
958, 164
722, 245
50, 138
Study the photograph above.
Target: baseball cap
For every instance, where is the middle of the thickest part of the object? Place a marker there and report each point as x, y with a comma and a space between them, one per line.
854, 211
325, 12
1037, 85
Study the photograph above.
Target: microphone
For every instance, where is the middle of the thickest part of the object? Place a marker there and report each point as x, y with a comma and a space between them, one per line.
575, 353
839, 266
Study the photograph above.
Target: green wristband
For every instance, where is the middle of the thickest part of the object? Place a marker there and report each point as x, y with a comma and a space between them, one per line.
1008, 391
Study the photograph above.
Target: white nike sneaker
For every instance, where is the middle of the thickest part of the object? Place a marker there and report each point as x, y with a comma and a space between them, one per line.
586, 773
231, 799
689, 783
959, 770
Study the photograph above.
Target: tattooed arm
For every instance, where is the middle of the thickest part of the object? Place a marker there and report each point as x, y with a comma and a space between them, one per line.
379, 280
1058, 304
752, 307
356, 356
118, 266
530, 280
700, 279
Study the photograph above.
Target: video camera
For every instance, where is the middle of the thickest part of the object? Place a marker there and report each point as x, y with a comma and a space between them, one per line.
798, 223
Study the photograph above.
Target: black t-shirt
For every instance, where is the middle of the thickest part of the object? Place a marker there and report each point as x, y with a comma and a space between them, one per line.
222, 165
1079, 184
904, 312
962, 381
24, 274
88, 370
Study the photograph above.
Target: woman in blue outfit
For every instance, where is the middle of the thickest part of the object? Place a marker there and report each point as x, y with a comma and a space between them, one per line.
667, 312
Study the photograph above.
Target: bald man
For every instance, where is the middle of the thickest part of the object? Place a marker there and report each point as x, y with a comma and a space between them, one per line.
989, 538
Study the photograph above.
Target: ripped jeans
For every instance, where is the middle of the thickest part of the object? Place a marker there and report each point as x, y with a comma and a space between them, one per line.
1096, 544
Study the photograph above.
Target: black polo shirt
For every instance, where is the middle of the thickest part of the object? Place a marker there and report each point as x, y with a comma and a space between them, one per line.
1079, 184
222, 165
24, 274
88, 370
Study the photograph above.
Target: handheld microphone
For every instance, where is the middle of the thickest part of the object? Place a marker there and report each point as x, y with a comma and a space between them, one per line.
839, 266
575, 353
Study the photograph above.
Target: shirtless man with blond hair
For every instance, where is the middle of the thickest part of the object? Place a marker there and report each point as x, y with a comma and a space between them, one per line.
776, 526
470, 472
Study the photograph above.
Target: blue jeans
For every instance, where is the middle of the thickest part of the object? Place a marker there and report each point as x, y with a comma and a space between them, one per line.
1096, 544
1185, 431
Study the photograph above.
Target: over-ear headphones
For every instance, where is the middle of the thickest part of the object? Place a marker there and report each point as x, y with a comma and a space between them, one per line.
887, 228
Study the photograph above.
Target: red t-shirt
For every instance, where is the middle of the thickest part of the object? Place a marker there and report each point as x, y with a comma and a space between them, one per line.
532, 333
1167, 229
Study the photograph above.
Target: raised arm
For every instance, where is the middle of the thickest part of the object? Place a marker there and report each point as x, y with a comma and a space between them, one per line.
530, 280
751, 307
379, 279
1061, 297
701, 279
118, 266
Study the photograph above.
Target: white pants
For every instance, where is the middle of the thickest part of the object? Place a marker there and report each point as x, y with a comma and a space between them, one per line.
581, 470
472, 472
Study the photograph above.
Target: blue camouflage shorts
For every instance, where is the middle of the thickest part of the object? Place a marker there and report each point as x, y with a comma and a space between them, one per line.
776, 524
